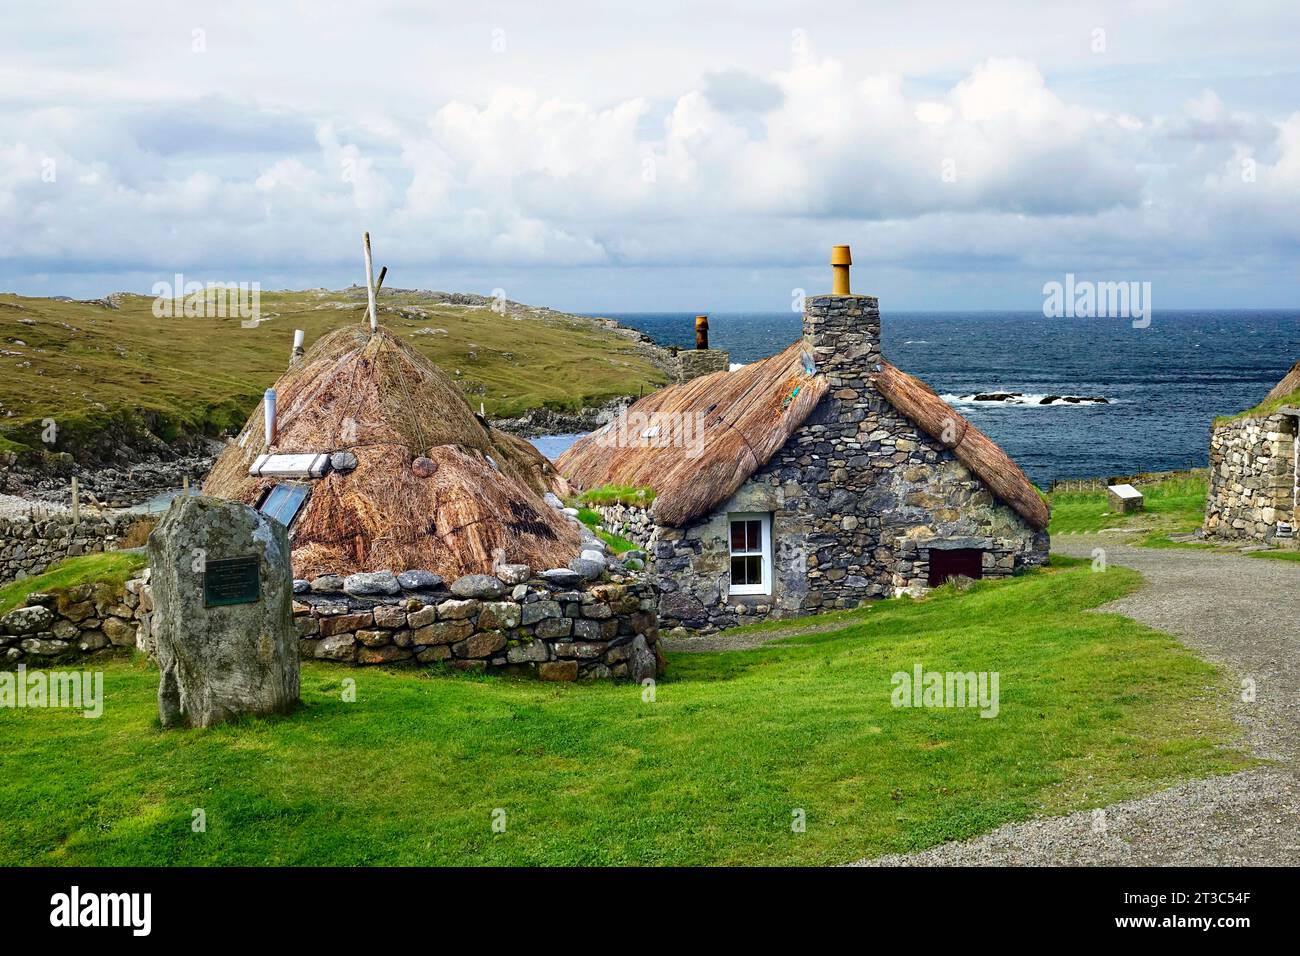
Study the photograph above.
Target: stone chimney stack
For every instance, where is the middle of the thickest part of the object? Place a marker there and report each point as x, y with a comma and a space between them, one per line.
842, 330
702, 360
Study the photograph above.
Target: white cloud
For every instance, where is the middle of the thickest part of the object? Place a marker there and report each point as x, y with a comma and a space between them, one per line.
758, 160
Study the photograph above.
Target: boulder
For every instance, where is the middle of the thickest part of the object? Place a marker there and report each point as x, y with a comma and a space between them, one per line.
343, 461
371, 583
327, 584
586, 569
27, 620
514, 574
641, 663
419, 580
222, 660
478, 586
562, 577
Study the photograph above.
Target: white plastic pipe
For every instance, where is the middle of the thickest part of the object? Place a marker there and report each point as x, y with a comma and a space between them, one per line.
298, 336
268, 406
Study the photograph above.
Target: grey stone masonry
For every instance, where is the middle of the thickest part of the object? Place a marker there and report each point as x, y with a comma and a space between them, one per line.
696, 362
29, 547
1252, 483
859, 498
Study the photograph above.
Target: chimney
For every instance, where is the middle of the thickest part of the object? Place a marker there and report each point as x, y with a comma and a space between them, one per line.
297, 352
841, 331
702, 360
268, 413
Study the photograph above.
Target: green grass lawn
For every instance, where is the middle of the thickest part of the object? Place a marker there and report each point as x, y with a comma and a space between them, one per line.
113, 567
1094, 708
1176, 505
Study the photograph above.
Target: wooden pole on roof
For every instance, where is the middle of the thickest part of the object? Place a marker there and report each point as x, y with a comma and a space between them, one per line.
370, 282
76, 502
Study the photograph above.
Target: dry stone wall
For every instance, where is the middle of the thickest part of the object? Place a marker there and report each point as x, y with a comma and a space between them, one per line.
1252, 483
28, 547
73, 622
553, 627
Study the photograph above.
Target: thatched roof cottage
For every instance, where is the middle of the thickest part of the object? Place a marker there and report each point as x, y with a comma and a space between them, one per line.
378, 463
1253, 486
811, 480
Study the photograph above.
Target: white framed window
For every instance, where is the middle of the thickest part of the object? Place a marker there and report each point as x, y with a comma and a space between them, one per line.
750, 534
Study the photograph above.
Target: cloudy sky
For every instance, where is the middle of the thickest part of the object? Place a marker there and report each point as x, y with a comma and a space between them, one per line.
656, 156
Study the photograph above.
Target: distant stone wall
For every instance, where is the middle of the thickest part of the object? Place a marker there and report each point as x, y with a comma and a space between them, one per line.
73, 622
1252, 478
551, 628
632, 523
29, 547
859, 497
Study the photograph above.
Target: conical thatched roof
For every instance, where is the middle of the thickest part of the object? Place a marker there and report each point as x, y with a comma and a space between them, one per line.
377, 397
748, 415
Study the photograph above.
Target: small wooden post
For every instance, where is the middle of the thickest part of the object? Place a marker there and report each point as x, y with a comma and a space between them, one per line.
76, 502
370, 282
185, 486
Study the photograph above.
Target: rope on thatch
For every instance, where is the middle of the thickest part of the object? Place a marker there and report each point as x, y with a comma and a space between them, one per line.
968, 444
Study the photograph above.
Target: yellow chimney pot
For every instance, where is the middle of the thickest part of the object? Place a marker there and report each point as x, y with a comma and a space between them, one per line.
841, 259
701, 331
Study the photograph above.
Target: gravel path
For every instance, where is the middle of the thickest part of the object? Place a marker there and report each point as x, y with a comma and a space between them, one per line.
1239, 611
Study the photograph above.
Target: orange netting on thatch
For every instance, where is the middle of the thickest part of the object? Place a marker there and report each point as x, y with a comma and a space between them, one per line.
727, 425
377, 397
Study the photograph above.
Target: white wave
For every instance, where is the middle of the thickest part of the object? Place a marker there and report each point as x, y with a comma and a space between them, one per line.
1043, 399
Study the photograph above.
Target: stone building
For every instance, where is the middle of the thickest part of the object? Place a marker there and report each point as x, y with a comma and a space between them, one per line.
809, 481
1253, 482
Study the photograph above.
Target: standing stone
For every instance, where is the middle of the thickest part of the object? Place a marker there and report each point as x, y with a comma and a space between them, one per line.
221, 660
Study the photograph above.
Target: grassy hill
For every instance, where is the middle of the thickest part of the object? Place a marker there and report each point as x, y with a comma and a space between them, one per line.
110, 370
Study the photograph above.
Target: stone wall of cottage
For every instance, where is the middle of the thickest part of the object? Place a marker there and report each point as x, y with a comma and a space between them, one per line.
28, 547
1252, 479
859, 496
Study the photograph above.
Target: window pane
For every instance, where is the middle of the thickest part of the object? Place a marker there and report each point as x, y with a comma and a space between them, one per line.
737, 536
283, 503
754, 535
738, 571
754, 570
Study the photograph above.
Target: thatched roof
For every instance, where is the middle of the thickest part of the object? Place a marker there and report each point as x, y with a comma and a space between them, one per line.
1290, 384
748, 415
737, 421
377, 397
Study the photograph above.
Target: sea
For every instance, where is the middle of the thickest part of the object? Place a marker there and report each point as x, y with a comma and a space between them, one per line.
1162, 384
